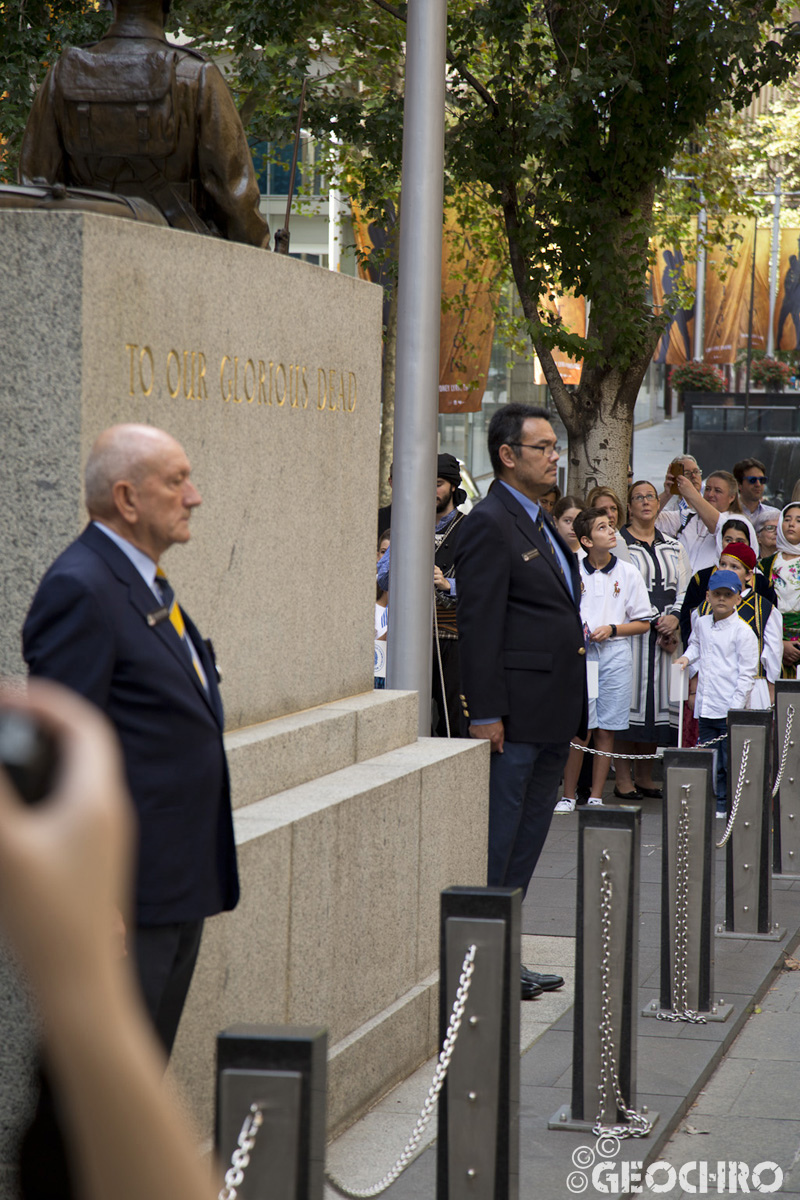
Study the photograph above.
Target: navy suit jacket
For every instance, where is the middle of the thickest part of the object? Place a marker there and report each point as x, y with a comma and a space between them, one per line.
520, 636
87, 628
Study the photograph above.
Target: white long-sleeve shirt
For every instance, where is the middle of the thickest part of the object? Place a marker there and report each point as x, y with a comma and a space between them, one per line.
724, 654
772, 641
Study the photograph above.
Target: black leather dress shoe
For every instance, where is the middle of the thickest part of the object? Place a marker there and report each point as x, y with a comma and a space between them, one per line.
530, 990
546, 983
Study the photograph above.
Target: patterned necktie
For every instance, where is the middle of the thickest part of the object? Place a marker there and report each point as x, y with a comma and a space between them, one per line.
541, 527
176, 619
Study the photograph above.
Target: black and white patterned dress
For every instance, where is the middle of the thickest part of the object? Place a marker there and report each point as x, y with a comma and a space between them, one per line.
664, 566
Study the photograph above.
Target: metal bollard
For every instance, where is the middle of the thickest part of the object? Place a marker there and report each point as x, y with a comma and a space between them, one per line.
748, 881
281, 1070
687, 892
786, 805
607, 977
478, 1124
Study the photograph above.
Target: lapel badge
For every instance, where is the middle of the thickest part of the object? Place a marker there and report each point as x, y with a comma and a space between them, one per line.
157, 616
529, 554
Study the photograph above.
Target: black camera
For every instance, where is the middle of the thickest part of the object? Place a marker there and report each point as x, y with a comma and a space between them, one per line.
28, 755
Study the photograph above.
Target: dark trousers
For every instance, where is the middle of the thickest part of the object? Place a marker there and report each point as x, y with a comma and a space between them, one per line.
712, 727
445, 691
523, 791
165, 958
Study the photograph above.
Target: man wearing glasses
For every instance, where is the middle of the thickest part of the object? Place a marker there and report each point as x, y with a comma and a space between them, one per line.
521, 647
751, 476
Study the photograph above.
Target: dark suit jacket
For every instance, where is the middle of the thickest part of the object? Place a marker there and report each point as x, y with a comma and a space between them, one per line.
520, 635
87, 628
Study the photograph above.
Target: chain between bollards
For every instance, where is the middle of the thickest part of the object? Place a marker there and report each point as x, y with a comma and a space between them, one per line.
680, 983
642, 757
240, 1159
737, 795
639, 1125
439, 1076
784, 752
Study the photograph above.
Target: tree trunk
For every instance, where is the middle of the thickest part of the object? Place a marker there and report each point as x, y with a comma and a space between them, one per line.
598, 415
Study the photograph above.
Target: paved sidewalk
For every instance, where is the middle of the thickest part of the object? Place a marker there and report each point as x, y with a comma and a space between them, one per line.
740, 1075
749, 1111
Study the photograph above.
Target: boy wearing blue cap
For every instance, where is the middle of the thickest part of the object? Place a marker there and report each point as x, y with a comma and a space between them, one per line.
723, 653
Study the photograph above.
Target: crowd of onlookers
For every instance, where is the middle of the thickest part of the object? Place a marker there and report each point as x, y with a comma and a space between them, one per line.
704, 575
699, 574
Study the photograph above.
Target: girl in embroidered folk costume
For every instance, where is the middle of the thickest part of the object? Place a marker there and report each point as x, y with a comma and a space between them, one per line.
782, 569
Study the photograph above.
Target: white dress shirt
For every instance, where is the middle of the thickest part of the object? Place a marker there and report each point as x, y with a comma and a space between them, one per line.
693, 534
724, 654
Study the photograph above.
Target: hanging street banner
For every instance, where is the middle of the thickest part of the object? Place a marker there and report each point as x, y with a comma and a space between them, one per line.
677, 339
787, 301
728, 304
466, 328
572, 311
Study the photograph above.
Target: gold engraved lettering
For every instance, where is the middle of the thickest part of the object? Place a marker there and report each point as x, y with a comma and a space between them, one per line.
145, 350
202, 390
250, 396
295, 369
262, 379
341, 390
331, 387
237, 399
188, 386
131, 346
322, 390
282, 401
305, 389
352, 390
225, 395
173, 354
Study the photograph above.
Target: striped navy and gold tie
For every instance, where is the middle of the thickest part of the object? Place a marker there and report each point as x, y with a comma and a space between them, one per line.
541, 527
176, 619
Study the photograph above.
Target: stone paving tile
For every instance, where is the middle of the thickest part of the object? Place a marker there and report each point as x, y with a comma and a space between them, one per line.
750, 1140
766, 1036
722, 1091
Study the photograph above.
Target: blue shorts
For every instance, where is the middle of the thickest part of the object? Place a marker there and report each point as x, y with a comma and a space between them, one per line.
612, 708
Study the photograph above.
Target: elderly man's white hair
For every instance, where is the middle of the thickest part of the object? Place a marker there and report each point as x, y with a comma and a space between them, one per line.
122, 453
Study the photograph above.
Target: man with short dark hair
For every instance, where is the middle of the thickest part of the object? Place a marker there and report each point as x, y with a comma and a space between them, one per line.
446, 718
521, 646
751, 476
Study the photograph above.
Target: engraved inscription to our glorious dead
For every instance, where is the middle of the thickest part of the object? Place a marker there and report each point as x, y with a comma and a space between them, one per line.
238, 379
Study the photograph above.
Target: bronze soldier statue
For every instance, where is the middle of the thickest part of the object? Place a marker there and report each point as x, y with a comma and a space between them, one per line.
136, 115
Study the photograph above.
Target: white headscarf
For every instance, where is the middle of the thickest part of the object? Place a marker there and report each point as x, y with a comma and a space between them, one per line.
780, 540
751, 533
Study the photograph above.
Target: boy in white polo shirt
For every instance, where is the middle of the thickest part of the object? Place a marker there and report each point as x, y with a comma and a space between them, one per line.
614, 607
723, 653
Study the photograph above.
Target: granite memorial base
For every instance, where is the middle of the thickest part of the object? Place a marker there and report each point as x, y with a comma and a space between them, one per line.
348, 826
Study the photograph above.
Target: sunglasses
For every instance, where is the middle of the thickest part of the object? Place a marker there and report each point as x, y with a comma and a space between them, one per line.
755, 478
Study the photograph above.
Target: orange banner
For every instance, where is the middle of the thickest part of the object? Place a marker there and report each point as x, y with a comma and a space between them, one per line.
466, 326
787, 301
677, 339
728, 304
572, 311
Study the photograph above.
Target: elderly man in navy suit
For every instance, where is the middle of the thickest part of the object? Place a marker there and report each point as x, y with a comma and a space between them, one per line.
521, 647
106, 623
